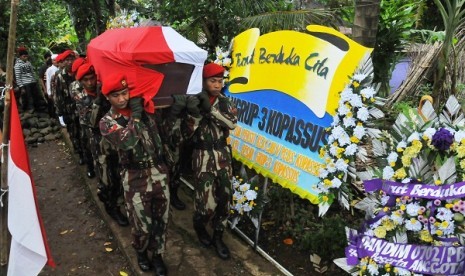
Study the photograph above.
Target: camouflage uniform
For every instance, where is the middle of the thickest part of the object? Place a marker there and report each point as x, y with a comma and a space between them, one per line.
212, 163
83, 103
66, 107
145, 177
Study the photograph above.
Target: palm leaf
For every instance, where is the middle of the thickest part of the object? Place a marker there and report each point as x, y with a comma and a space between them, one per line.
368, 204
451, 113
447, 172
420, 168
379, 148
428, 111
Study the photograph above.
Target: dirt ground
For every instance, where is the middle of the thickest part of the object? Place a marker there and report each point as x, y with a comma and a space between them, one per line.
81, 243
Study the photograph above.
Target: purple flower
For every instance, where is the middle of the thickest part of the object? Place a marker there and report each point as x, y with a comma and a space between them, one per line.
442, 139
432, 220
437, 202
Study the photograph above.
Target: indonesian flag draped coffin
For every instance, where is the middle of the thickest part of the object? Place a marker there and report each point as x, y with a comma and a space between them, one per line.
29, 250
157, 61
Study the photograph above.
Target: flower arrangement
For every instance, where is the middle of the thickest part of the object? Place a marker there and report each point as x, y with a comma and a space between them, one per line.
124, 20
247, 198
417, 200
348, 130
223, 58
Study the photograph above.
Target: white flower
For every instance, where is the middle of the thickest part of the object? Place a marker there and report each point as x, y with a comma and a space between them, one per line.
412, 209
244, 187
449, 230
356, 101
359, 77
398, 219
331, 167
363, 114
373, 269
247, 207
337, 132
402, 145
459, 136
359, 132
251, 195
344, 140
346, 94
392, 157
444, 214
349, 122
414, 136
336, 182
429, 132
335, 120
330, 139
351, 149
368, 92
341, 165
388, 173
343, 109
323, 173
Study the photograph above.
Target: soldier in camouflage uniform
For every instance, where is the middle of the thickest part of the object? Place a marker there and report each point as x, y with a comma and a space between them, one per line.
173, 121
134, 133
83, 102
64, 103
90, 106
212, 160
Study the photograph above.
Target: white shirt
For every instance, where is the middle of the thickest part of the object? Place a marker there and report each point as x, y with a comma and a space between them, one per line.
48, 78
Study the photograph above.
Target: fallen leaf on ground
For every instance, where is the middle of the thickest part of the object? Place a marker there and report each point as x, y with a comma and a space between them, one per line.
108, 249
122, 273
63, 232
92, 234
107, 243
288, 241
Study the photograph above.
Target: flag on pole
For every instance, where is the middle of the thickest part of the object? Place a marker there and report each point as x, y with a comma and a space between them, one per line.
29, 250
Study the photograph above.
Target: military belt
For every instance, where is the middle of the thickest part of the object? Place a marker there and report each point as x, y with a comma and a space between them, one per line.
139, 165
217, 145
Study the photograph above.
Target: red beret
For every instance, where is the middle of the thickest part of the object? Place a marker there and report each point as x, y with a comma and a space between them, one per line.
59, 58
83, 70
77, 63
212, 70
113, 83
66, 54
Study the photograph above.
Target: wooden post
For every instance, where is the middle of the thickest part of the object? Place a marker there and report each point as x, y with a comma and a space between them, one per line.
4, 234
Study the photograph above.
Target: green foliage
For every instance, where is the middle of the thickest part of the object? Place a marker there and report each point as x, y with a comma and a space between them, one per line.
328, 240
396, 19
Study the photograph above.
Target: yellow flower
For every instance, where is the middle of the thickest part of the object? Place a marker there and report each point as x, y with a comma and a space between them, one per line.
392, 164
402, 207
439, 232
449, 206
386, 209
327, 182
325, 198
400, 173
322, 153
444, 224
380, 232
354, 139
349, 114
425, 236
389, 224
462, 164
356, 84
438, 182
372, 100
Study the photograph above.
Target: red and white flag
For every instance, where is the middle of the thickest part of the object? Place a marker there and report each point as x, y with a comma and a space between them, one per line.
29, 250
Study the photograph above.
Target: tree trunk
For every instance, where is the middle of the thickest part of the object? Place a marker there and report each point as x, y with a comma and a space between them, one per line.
99, 21
366, 22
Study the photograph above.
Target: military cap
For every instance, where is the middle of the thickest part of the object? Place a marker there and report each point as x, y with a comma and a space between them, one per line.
84, 69
113, 83
212, 70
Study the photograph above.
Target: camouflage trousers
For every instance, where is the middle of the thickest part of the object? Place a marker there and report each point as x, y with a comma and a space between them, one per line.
212, 197
147, 201
110, 187
172, 160
85, 136
74, 130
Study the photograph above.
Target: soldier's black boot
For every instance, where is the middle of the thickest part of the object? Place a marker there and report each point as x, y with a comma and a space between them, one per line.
90, 169
175, 201
221, 249
143, 261
120, 218
200, 230
159, 268
81, 158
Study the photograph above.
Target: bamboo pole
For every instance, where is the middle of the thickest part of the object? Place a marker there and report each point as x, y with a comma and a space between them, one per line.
4, 235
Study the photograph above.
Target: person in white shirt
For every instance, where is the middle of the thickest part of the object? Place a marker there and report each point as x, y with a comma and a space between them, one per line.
49, 74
